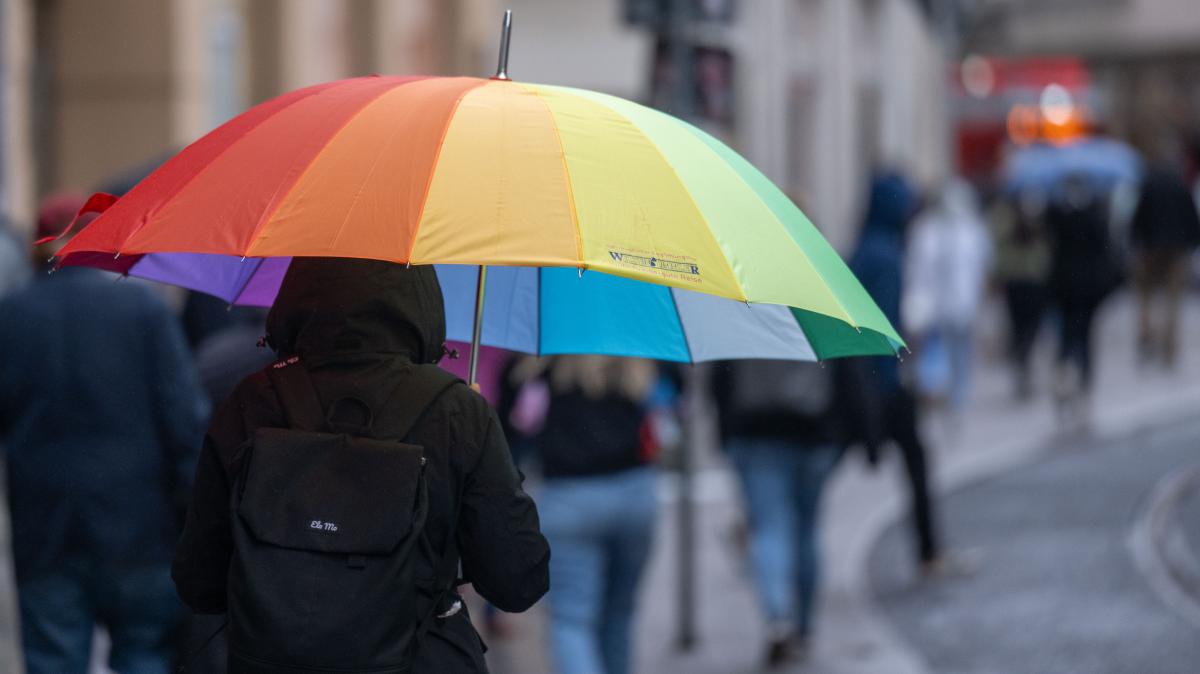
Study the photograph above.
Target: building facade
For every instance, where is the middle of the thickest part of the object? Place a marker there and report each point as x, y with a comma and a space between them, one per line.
1143, 57
814, 92
91, 90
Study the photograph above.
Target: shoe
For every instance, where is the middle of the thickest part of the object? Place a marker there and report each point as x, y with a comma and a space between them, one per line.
783, 647
779, 653
952, 564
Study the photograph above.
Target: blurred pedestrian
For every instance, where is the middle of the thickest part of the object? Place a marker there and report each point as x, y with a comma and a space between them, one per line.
598, 505
101, 416
1084, 270
946, 269
320, 577
1164, 232
1022, 268
777, 427
877, 403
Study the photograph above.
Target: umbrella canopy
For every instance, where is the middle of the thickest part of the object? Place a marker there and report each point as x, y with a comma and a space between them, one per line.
548, 311
471, 171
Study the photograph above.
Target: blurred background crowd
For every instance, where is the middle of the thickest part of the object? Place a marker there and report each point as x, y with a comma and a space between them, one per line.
1014, 181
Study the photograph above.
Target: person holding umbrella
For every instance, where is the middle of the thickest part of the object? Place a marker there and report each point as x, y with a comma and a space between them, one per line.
366, 334
664, 219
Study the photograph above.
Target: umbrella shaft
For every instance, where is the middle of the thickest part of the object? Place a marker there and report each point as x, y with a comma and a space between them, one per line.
477, 330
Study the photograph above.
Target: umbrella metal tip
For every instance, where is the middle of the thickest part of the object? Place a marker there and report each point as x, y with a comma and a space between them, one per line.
505, 37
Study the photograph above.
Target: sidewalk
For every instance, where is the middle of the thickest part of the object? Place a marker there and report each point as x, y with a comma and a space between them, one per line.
851, 636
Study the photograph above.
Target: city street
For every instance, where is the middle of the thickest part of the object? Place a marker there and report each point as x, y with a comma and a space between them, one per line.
1078, 496
1060, 588
788, 336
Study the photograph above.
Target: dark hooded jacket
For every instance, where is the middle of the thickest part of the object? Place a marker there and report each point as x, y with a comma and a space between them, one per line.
867, 389
1166, 216
359, 326
878, 260
100, 417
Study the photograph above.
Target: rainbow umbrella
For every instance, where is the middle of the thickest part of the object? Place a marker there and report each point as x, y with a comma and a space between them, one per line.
470, 171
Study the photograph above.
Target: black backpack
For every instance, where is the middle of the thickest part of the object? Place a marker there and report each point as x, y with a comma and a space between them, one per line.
326, 531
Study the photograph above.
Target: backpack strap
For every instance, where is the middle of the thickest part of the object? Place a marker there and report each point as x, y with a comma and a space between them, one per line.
445, 572
410, 399
420, 394
301, 406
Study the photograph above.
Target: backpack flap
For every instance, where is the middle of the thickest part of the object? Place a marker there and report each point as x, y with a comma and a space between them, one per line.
331, 493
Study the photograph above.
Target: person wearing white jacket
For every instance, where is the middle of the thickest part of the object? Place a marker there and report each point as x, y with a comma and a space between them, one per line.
946, 269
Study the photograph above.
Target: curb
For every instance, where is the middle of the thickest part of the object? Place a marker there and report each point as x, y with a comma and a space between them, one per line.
1111, 424
1160, 550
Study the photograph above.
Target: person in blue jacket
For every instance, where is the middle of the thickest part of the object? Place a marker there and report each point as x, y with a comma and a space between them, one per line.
875, 394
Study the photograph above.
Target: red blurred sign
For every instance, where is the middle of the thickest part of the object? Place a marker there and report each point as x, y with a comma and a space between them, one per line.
1017, 101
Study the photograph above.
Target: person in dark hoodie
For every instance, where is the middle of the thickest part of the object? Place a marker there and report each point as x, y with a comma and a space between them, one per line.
872, 391
778, 426
360, 327
1085, 269
1165, 231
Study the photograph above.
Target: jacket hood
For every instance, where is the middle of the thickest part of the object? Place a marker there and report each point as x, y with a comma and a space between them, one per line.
890, 205
959, 202
339, 306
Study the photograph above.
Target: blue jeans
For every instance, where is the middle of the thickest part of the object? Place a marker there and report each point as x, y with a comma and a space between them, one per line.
600, 531
137, 606
782, 484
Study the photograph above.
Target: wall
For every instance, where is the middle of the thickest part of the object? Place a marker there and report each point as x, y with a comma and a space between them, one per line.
1104, 27
581, 44
15, 150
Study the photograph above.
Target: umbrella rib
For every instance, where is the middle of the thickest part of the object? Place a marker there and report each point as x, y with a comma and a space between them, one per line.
257, 262
687, 344
846, 314
362, 186
276, 201
310, 91
807, 337
538, 322
683, 185
437, 158
562, 153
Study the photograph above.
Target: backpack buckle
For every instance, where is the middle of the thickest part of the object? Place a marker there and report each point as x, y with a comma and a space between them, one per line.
454, 608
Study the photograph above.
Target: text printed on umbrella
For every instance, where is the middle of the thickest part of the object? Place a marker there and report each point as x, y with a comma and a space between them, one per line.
659, 264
